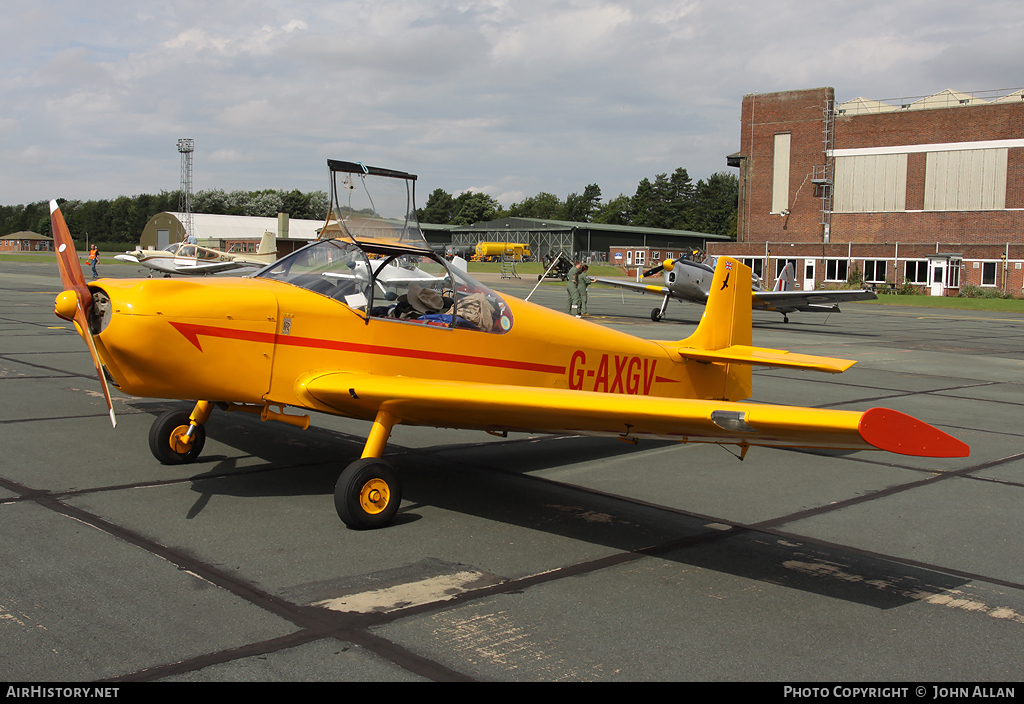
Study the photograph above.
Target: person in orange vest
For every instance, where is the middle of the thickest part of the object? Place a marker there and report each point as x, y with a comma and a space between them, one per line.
94, 259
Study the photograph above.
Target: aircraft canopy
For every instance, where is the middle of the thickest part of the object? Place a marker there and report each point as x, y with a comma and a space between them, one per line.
370, 205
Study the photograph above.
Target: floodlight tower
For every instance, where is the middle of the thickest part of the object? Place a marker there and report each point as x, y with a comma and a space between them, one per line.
185, 148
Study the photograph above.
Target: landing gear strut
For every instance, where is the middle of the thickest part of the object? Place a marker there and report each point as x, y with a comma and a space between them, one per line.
659, 313
368, 494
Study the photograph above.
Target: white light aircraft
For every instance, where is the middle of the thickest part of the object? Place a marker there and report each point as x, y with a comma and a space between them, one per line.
192, 260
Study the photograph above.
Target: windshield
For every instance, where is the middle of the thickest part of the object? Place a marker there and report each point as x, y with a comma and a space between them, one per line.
370, 204
389, 283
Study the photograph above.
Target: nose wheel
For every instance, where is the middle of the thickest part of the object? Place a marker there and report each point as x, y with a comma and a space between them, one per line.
658, 313
174, 439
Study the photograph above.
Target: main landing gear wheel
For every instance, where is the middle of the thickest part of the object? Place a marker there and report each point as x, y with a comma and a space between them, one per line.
656, 314
165, 438
367, 494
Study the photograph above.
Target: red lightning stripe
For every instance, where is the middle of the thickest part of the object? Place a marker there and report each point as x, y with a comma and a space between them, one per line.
191, 332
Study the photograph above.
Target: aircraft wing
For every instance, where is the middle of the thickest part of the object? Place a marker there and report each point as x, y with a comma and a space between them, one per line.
633, 286
212, 267
459, 404
817, 300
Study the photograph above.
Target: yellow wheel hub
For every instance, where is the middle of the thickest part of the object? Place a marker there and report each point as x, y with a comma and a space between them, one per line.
375, 496
180, 442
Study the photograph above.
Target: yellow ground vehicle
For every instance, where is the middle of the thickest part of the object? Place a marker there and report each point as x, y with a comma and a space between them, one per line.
493, 251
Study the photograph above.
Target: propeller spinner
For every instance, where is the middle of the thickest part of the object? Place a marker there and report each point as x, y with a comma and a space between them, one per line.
75, 302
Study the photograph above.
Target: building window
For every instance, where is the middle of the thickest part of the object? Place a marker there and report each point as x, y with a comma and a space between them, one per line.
874, 271
780, 173
916, 272
988, 273
756, 265
836, 269
639, 257
953, 273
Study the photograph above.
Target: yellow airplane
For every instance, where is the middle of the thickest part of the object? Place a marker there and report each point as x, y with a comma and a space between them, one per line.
311, 332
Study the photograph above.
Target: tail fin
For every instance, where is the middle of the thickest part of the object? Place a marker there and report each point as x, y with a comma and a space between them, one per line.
785, 280
268, 245
727, 321
727, 318
723, 340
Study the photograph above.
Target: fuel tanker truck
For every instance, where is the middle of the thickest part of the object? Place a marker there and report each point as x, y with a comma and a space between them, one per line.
493, 251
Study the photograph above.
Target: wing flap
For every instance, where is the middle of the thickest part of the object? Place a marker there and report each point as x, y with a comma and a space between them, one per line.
478, 406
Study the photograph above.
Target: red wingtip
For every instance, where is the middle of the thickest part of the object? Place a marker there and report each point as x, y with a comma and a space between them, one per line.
897, 432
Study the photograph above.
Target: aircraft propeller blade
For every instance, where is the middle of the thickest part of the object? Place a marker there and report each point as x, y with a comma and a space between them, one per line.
74, 281
655, 270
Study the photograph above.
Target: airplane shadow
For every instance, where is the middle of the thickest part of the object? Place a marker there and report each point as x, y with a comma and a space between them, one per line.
492, 481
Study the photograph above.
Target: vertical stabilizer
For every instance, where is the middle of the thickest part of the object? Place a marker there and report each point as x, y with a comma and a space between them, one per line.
268, 245
785, 280
726, 322
727, 316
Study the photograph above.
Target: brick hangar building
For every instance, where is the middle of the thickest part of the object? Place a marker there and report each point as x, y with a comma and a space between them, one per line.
926, 191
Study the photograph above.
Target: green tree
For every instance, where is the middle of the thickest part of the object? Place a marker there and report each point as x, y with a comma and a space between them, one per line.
641, 204
715, 204
542, 205
440, 208
615, 212
581, 208
472, 207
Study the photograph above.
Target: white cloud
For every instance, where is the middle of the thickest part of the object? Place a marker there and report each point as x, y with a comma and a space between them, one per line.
524, 96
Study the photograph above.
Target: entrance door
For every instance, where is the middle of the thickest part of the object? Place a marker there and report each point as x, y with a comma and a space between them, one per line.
938, 277
809, 275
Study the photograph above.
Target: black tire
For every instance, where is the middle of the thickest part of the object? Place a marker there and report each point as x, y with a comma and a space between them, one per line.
174, 423
367, 494
656, 314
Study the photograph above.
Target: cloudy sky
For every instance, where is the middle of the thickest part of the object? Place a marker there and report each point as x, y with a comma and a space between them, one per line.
511, 97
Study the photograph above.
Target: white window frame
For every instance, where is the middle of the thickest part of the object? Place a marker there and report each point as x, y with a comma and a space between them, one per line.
833, 267
756, 265
995, 273
874, 278
920, 273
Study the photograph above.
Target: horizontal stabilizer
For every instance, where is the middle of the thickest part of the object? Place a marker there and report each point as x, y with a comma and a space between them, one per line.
763, 356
